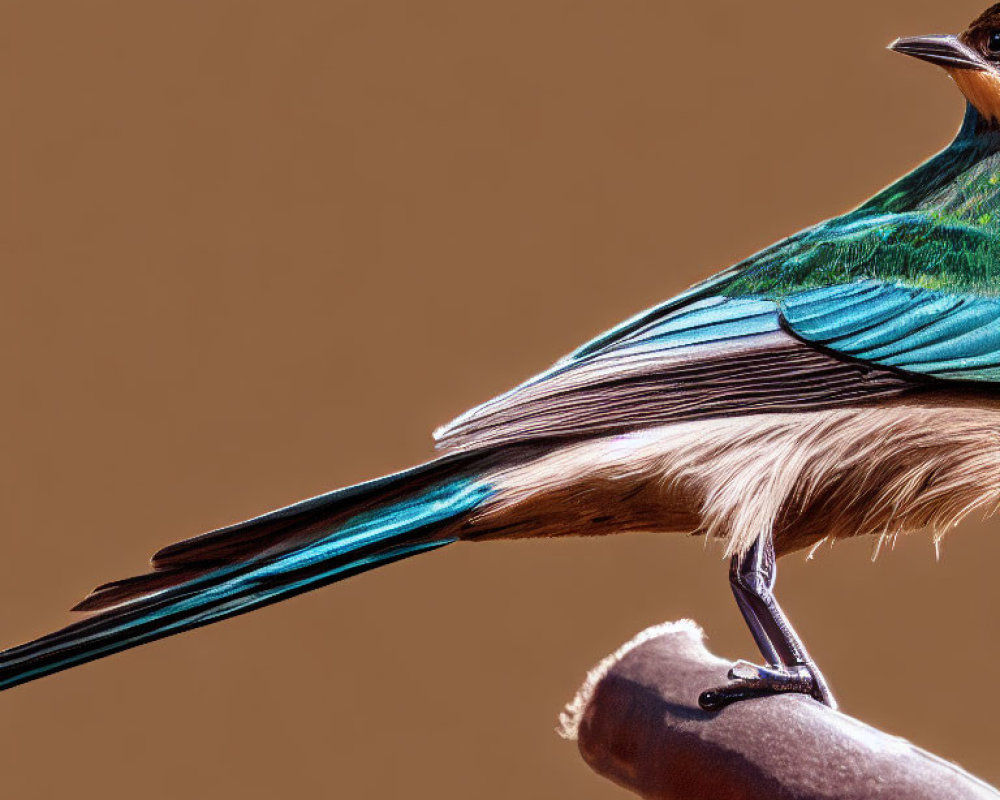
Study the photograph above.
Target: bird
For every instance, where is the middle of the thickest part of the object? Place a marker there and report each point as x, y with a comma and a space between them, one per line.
841, 382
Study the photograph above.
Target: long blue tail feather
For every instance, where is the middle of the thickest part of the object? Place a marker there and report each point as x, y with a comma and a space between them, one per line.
376, 535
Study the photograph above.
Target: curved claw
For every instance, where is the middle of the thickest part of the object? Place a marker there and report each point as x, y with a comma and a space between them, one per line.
718, 699
750, 681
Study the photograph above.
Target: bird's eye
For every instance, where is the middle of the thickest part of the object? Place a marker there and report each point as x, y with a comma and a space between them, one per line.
993, 43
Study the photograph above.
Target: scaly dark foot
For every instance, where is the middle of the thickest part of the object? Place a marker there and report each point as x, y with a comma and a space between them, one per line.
752, 577
750, 681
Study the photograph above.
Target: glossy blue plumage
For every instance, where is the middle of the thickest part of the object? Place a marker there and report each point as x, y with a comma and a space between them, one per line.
715, 319
368, 539
920, 331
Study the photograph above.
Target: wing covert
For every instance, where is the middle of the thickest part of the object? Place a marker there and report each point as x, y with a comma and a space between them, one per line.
714, 357
857, 307
949, 336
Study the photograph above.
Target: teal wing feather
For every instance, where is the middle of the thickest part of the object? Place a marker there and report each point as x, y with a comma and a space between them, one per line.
925, 250
915, 291
906, 286
937, 227
711, 357
949, 336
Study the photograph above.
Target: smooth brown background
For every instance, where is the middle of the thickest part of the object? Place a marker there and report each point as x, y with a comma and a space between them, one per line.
252, 251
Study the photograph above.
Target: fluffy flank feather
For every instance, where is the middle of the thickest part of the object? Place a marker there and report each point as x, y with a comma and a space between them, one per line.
840, 473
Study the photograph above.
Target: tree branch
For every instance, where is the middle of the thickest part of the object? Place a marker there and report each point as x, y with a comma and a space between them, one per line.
638, 723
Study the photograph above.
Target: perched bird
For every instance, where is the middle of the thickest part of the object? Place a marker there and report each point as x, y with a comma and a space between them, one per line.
840, 382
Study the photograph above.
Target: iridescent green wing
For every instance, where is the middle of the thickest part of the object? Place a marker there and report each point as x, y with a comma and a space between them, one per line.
916, 292
850, 310
931, 239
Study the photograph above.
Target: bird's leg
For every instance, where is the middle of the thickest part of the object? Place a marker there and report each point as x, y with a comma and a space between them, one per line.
790, 669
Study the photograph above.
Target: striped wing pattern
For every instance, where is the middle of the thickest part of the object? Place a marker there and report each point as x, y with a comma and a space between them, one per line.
935, 334
715, 356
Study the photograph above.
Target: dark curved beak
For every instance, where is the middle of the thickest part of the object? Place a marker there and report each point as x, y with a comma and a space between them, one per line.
945, 51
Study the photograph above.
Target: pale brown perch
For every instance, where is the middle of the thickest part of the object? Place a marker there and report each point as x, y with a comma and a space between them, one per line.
638, 723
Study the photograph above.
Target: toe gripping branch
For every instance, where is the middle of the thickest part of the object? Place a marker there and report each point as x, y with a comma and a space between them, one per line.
789, 668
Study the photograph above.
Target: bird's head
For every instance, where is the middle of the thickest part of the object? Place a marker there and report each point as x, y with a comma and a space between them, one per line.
972, 59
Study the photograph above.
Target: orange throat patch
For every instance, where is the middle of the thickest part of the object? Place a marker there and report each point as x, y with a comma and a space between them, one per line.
981, 88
